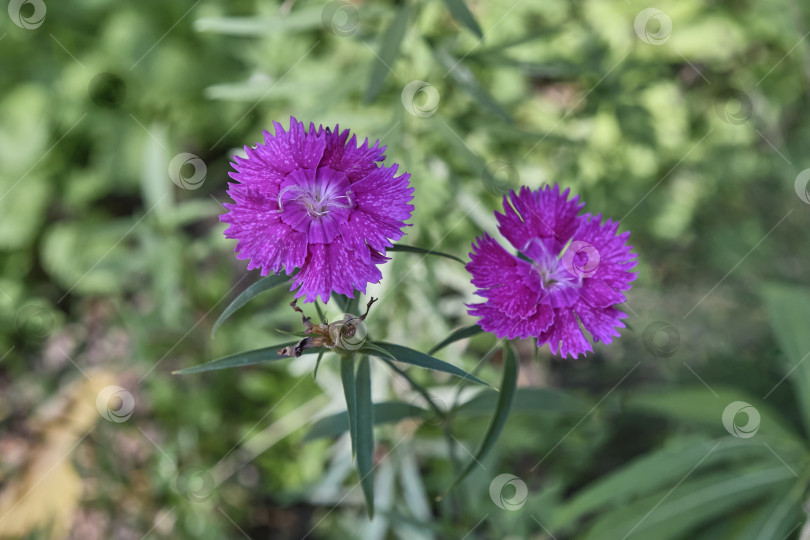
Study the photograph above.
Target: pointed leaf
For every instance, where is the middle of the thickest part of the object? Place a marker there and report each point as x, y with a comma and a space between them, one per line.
416, 358
392, 39
539, 401
365, 433
264, 284
461, 333
462, 14
505, 399
247, 358
414, 249
350, 391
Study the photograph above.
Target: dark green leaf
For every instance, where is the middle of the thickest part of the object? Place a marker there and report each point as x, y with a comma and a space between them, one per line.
462, 14
365, 433
414, 249
789, 313
416, 358
505, 399
392, 39
264, 284
350, 392
461, 333
384, 413
247, 358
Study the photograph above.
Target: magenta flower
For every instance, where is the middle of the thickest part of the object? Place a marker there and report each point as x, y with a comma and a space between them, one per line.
572, 270
319, 202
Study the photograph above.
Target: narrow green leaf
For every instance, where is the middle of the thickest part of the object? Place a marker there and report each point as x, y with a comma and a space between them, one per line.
392, 39
247, 358
780, 516
416, 358
350, 392
295, 21
384, 413
789, 312
351, 305
317, 365
321, 316
699, 498
461, 333
341, 300
414, 249
505, 399
462, 14
365, 433
264, 284
655, 471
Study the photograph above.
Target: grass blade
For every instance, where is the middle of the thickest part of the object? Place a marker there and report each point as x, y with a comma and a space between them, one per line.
505, 398
365, 433
461, 333
460, 12
392, 39
414, 249
350, 391
264, 284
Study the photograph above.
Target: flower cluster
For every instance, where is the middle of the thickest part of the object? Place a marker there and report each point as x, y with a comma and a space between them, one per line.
318, 201
570, 270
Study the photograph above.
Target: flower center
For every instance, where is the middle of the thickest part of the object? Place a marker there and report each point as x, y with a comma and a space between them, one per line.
316, 202
554, 279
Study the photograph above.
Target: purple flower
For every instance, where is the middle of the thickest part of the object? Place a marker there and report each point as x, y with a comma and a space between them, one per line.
572, 270
319, 202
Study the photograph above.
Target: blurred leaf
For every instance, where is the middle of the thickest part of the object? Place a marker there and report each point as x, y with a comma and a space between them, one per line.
461, 333
462, 14
391, 40
780, 516
350, 393
413, 249
655, 471
416, 358
248, 358
317, 365
264, 284
697, 404
365, 433
673, 512
789, 313
468, 82
500, 416
157, 188
539, 401
384, 413
294, 21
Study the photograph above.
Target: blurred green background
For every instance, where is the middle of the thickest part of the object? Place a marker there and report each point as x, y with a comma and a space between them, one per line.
687, 123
